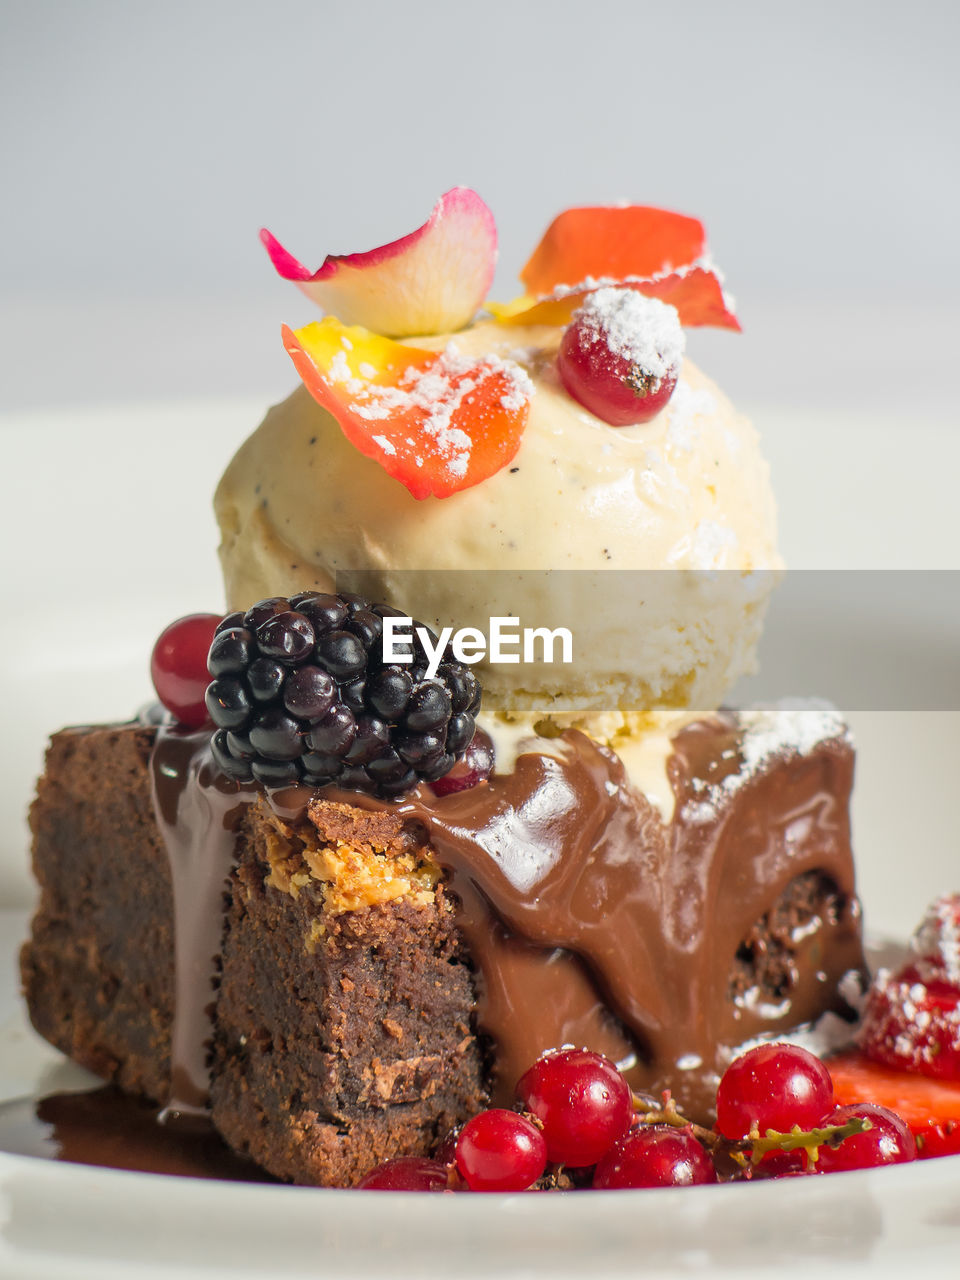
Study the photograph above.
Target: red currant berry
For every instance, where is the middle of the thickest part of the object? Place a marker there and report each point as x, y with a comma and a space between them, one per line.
178, 667
784, 1164
406, 1173
620, 355
658, 1156
500, 1151
582, 1101
887, 1141
773, 1086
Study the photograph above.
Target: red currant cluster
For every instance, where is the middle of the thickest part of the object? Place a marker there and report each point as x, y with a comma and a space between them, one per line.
579, 1125
779, 1099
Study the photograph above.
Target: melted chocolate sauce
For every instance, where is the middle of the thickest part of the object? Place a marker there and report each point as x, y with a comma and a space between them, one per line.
199, 812
114, 1130
589, 919
592, 922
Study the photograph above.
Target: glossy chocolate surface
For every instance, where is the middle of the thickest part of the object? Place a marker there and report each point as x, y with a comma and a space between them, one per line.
594, 923
199, 812
590, 921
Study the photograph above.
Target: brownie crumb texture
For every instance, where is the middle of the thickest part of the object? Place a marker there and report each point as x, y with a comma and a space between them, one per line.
343, 1020
344, 1035
766, 966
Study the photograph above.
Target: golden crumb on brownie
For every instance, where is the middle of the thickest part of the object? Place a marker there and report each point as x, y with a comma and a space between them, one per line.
350, 864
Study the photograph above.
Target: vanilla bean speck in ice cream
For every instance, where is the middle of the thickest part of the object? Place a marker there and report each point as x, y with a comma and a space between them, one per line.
576, 532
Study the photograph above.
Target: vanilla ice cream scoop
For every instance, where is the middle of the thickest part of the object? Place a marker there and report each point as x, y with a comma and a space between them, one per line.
576, 533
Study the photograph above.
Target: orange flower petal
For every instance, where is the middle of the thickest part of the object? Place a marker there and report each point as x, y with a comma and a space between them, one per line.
612, 244
697, 293
659, 253
438, 422
527, 310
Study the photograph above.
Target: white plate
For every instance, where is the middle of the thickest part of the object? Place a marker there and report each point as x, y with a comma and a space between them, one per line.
119, 556
69, 1222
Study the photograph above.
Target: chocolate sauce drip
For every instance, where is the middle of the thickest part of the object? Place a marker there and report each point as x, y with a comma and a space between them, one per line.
199, 812
114, 1130
590, 921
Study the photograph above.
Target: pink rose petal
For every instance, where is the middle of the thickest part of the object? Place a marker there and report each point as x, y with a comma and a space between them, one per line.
430, 281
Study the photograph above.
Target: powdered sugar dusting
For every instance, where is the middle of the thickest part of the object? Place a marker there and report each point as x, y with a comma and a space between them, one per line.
830, 1033
514, 399
439, 392
711, 542
644, 331
939, 936
793, 727
703, 263
340, 371
685, 408
706, 548
907, 1026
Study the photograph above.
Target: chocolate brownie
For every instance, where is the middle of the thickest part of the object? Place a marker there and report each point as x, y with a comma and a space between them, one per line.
340, 980
98, 971
339, 1038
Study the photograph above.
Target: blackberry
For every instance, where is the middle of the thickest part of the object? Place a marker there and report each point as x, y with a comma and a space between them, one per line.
300, 693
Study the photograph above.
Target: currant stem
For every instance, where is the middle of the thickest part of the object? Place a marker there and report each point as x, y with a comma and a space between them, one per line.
808, 1140
667, 1112
753, 1148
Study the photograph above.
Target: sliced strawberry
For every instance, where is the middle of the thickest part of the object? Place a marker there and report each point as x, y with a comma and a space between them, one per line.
436, 421
930, 1107
939, 1140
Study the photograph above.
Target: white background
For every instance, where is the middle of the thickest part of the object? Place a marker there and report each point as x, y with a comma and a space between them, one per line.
143, 145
